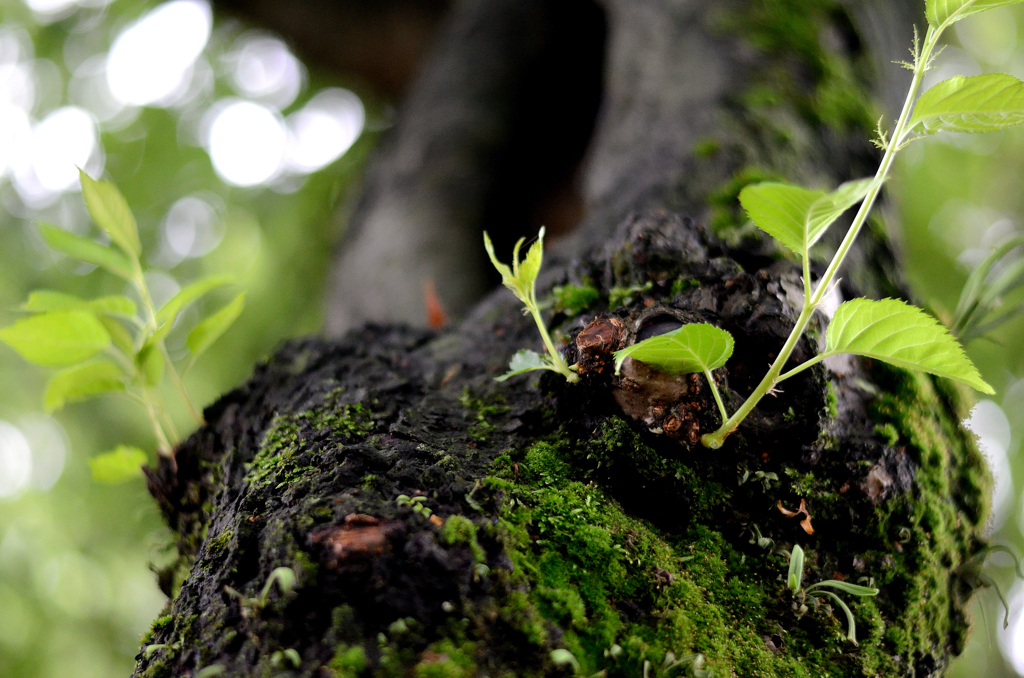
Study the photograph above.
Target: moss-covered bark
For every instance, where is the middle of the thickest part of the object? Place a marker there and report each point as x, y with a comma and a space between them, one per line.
554, 520
439, 523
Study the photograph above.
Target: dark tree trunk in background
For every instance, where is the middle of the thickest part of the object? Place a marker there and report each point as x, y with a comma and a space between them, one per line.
441, 524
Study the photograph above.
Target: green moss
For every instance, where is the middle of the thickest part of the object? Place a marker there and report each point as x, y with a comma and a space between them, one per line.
220, 542
459, 529
626, 296
574, 299
705, 148
348, 661
480, 428
728, 220
888, 433
446, 659
932, 535
680, 285
275, 463
585, 559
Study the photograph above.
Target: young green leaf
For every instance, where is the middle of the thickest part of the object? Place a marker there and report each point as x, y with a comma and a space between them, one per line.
851, 626
57, 338
110, 211
977, 103
525, 361
113, 305
122, 463
119, 336
81, 382
86, 250
520, 278
780, 210
895, 332
210, 329
797, 216
795, 577
697, 347
150, 362
940, 12
852, 589
41, 301
186, 295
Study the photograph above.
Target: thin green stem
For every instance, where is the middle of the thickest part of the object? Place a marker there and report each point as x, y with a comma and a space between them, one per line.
150, 307
163, 444
176, 378
768, 383
803, 366
556, 357
718, 396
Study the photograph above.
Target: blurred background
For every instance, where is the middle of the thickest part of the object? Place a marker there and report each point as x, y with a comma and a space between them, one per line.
232, 154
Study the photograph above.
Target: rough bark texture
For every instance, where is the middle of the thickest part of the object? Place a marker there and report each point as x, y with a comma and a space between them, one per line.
442, 524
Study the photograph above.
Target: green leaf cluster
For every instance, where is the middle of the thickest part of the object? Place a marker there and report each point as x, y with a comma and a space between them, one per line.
113, 343
888, 330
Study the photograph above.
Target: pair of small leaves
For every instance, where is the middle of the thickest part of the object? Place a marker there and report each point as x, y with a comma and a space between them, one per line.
942, 13
888, 330
796, 216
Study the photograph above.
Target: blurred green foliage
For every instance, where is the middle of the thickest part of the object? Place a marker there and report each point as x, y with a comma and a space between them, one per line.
76, 590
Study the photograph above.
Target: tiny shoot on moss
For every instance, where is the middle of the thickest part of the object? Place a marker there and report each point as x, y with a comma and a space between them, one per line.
815, 592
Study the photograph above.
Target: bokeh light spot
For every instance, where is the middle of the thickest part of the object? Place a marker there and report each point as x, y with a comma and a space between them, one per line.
265, 69
62, 142
15, 460
152, 59
246, 143
324, 129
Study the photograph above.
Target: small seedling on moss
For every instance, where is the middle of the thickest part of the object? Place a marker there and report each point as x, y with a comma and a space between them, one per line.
211, 671
815, 593
285, 659
415, 503
284, 577
521, 279
692, 664
114, 343
888, 330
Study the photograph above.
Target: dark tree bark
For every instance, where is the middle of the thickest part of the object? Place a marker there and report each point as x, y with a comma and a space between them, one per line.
441, 524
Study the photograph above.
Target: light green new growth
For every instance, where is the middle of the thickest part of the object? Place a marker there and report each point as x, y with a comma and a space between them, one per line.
888, 330
112, 343
794, 581
521, 279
